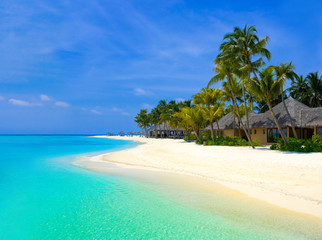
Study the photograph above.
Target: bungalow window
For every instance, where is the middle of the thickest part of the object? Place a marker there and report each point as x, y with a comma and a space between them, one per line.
254, 131
264, 131
298, 132
319, 132
273, 133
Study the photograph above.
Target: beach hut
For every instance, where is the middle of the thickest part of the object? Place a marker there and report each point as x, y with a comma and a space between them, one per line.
163, 130
121, 133
263, 129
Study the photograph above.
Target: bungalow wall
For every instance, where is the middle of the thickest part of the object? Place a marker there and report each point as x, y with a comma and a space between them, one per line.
228, 133
259, 135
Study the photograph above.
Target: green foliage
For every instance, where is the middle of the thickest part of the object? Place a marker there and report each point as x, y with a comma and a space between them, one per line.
316, 138
274, 147
307, 90
190, 137
229, 141
143, 120
205, 136
198, 142
300, 145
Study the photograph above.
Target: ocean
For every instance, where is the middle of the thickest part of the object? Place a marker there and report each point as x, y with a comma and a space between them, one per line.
43, 195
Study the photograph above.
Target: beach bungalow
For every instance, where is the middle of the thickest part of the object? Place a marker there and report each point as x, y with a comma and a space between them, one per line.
307, 121
163, 130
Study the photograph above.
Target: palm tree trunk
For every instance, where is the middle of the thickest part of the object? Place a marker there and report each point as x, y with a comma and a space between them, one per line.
240, 137
155, 131
197, 134
212, 131
238, 114
276, 122
255, 75
289, 116
245, 105
234, 123
160, 131
145, 132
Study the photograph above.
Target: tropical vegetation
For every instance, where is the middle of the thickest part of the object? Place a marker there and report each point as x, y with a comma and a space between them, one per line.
300, 145
248, 84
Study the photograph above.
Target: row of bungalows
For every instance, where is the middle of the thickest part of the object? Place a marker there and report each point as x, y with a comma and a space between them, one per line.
163, 130
307, 121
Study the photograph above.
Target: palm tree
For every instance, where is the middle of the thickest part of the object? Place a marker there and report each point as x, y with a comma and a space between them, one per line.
243, 44
213, 108
194, 118
157, 112
261, 105
285, 71
227, 96
299, 89
225, 68
175, 122
315, 89
168, 110
213, 114
143, 120
269, 89
181, 121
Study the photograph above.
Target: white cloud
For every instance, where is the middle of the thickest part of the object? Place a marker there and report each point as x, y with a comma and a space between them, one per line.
118, 110
18, 102
141, 92
1, 98
61, 104
23, 103
96, 112
44, 98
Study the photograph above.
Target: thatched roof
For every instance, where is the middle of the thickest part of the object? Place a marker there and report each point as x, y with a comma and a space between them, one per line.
302, 116
312, 117
226, 122
266, 120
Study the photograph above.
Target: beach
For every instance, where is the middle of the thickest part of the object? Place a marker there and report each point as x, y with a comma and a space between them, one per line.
291, 181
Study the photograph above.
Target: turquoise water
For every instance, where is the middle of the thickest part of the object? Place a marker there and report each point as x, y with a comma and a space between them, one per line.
44, 196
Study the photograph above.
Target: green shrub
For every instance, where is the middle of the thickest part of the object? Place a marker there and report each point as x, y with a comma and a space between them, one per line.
316, 138
300, 145
205, 136
198, 142
190, 137
274, 147
229, 141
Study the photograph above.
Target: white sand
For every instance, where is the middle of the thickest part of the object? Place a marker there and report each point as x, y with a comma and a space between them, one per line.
289, 180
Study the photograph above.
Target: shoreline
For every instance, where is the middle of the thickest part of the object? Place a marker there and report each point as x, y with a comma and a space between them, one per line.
290, 181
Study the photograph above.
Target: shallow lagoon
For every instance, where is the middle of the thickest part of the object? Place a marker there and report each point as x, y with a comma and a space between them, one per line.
44, 196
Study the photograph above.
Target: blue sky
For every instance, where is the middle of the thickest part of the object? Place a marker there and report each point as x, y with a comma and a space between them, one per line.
76, 66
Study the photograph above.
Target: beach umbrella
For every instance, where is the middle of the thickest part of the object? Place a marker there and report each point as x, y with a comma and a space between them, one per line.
121, 133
